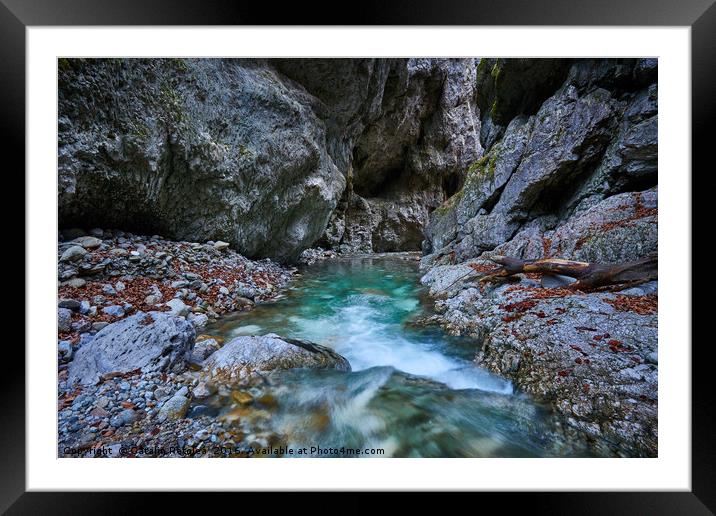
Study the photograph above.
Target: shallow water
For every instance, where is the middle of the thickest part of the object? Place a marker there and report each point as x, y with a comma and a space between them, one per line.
413, 391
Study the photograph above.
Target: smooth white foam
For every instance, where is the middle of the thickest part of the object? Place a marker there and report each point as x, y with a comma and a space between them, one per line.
363, 333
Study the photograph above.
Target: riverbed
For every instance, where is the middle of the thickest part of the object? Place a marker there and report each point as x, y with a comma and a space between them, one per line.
413, 391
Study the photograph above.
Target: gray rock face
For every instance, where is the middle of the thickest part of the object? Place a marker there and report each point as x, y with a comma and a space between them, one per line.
595, 137
258, 153
244, 355
595, 363
572, 174
152, 342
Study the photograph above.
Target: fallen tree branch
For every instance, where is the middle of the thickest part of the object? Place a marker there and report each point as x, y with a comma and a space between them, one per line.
588, 275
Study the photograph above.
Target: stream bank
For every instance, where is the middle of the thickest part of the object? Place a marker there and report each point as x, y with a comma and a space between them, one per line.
413, 390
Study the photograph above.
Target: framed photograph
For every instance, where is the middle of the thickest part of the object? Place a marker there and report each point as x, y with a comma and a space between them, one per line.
451, 240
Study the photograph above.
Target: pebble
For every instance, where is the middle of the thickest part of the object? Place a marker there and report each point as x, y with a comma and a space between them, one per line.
88, 242
126, 417
72, 304
177, 307
64, 320
64, 348
114, 310
75, 283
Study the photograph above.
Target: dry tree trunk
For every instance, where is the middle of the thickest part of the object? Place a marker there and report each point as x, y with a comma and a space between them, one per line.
588, 275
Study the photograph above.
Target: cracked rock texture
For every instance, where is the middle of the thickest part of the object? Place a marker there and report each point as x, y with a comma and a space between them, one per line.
265, 154
569, 171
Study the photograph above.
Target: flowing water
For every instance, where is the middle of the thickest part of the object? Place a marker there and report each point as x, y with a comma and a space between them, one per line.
413, 391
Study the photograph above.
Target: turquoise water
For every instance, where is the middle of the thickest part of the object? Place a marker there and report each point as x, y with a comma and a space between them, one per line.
413, 391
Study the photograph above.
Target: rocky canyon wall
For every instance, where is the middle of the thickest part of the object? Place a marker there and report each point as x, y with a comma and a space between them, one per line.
270, 155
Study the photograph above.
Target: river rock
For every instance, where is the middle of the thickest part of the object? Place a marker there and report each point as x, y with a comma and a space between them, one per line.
177, 307
152, 342
73, 254
125, 417
64, 320
174, 408
88, 242
71, 304
114, 310
75, 283
270, 352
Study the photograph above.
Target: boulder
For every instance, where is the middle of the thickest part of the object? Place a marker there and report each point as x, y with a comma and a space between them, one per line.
151, 342
262, 152
270, 352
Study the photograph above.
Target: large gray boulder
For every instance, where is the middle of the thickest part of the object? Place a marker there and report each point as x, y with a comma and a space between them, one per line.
591, 355
258, 153
594, 138
244, 355
151, 342
196, 149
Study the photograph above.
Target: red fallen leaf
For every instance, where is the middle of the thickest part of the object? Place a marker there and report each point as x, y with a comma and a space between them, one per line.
552, 321
155, 430
597, 337
614, 342
520, 306
127, 404
578, 360
585, 388
541, 314
560, 310
576, 348
563, 373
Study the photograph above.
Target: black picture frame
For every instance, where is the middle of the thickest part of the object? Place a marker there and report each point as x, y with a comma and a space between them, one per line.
17, 15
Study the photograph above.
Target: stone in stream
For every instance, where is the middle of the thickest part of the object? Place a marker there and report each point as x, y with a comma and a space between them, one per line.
243, 355
154, 342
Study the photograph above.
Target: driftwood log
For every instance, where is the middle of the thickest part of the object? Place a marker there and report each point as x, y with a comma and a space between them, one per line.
588, 275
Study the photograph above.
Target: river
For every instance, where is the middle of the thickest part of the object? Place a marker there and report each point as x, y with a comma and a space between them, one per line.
413, 390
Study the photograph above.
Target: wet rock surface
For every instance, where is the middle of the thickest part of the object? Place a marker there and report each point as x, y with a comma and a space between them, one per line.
244, 355
567, 174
